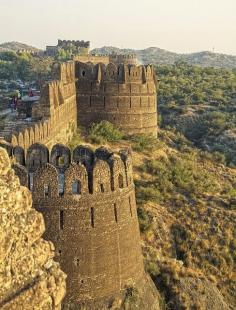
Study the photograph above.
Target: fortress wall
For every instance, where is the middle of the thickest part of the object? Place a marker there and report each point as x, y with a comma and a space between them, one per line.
123, 59
92, 58
124, 95
88, 202
55, 117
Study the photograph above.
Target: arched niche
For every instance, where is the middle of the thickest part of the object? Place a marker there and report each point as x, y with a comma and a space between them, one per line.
19, 154
103, 153
76, 180
127, 160
60, 157
118, 173
45, 182
37, 156
83, 155
101, 177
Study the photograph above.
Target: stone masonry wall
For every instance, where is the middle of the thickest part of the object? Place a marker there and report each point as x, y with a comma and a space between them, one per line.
29, 278
54, 119
124, 95
88, 202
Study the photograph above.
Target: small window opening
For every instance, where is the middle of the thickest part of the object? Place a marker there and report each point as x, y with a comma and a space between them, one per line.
102, 188
59, 253
104, 101
130, 104
82, 281
46, 190
76, 188
76, 262
61, 220
121, 181
115, 213
92, 217
60, 161
90, 101
83, 73
130, 207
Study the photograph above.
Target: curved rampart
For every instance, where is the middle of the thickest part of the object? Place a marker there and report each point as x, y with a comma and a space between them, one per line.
125, 95
127, 59
88, 202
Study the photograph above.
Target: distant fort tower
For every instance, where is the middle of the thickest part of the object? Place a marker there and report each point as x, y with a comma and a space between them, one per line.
88, 202
124, 95
78, 47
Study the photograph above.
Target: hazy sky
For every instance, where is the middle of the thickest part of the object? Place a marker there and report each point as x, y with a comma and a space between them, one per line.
176, 25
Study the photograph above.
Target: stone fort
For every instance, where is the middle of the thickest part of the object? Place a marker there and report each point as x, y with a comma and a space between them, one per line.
87, 197
88, 202
82, 93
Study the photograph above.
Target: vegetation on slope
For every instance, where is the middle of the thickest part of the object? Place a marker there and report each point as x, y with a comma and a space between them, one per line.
159, 56
187, 211
201, 104
24, 66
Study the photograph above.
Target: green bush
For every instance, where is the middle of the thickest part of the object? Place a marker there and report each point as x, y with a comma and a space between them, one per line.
144, 142
104, 132
145, 220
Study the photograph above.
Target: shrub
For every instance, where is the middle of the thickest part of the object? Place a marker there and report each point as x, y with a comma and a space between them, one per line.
104, 132
144, 142
76, 140
145, 219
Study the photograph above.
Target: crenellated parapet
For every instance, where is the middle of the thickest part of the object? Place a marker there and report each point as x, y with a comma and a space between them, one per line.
120, 73
64, 72
125, 59
57, 92
95, 172
88, 201
124, 95
77, 43
55, 116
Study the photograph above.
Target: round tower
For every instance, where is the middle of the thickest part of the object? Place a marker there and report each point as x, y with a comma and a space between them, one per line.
127, 59
124, 95
88, 202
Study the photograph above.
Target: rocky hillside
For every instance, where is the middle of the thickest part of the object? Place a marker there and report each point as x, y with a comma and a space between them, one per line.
156, 55
29, 278
15, 46
187, 213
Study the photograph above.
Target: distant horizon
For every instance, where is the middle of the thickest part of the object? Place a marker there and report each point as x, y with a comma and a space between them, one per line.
181, 26
126, 48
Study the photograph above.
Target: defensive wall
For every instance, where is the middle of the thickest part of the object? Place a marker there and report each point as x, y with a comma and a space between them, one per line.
106, 59
124, 95
55, 117
83, 93
95, 59
128, 59
88, 202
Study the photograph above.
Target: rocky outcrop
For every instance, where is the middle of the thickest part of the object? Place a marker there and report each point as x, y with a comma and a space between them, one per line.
29, 278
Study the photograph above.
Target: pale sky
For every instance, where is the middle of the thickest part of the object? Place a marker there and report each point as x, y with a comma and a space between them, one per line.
176, 25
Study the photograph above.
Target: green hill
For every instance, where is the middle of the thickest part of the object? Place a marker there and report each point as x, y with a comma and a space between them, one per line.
156, 55
15, 46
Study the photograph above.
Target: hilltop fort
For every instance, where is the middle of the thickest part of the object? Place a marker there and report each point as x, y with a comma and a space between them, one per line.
87, 197
83, 93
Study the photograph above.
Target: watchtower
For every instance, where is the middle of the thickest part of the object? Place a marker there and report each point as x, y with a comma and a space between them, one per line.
124, 95
88, 202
